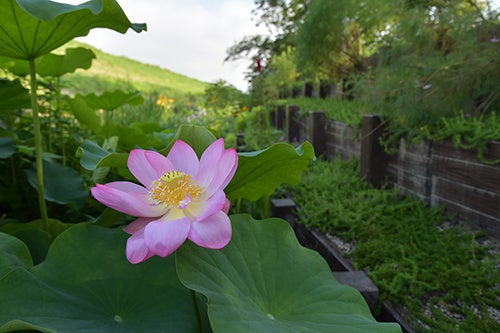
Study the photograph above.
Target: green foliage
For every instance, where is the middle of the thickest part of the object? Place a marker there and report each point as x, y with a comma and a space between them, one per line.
433, 63
466, 131
284, 72
47, 285
74, 292
414, 256
95, 291
52, 65
109, 101
222, 95
348, 112
31, 29
336, 36
256, 127
416, 63
469, 132
62, 184
259, 284
109, 72
260, 173
12, 96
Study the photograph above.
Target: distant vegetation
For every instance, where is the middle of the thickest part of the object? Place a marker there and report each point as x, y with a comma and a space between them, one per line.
117, 72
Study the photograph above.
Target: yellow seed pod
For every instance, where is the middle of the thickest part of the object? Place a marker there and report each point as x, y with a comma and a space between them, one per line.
172, 175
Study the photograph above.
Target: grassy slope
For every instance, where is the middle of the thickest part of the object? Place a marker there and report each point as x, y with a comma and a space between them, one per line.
121, 72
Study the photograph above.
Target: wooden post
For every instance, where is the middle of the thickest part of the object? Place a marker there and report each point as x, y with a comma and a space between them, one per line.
272, 118
292, 126
373, 157
283, 208
308, 90
316, 131
280, 116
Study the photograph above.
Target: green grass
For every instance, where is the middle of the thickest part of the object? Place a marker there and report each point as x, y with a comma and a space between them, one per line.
412, 253
109, 72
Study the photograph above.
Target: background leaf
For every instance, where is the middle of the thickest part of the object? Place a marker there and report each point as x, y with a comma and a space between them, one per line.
264, 281
36, 235
260, 173
199, 138
112, 100
87, 285
61, 184
93, 156
85, 114
13, 95
8, 147
32, 28
51, 64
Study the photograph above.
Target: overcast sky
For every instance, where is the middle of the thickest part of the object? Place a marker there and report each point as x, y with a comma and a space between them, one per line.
189, 37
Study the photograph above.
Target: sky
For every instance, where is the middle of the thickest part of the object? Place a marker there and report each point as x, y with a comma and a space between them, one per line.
189, 37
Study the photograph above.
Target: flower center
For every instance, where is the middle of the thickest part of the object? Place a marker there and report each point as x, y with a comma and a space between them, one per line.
174, 189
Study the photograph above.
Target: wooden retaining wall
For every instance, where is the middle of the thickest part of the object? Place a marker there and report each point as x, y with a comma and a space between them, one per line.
434, 171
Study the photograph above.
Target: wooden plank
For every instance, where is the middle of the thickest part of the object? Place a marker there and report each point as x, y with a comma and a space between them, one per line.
340, 141
477, 220
362, 283
446, 148
473, 174
414, 158
409, 183
475, 198
283, 208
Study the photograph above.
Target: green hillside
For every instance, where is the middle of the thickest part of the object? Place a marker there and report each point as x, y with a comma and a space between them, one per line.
110, 72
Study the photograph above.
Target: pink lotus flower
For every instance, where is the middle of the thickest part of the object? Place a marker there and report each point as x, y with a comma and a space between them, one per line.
181, 198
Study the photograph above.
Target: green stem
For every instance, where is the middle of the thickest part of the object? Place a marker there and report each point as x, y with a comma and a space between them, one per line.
38, 145
60, 124
196, 310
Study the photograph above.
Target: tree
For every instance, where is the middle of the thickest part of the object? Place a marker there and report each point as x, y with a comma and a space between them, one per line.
440, 58
281, 18
337, 37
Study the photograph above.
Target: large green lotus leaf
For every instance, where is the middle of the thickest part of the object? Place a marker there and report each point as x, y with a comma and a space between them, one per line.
264, 281
112, 100
199, 138
53, 65
32, 28
13, 254
13, 95
37, 235
8, 147
86, 285
62, 184
260, 173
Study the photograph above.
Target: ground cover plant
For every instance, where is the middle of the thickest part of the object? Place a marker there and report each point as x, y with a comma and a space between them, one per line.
445, 276
189, 263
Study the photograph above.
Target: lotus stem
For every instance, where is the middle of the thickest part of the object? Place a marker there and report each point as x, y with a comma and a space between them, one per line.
38, 145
